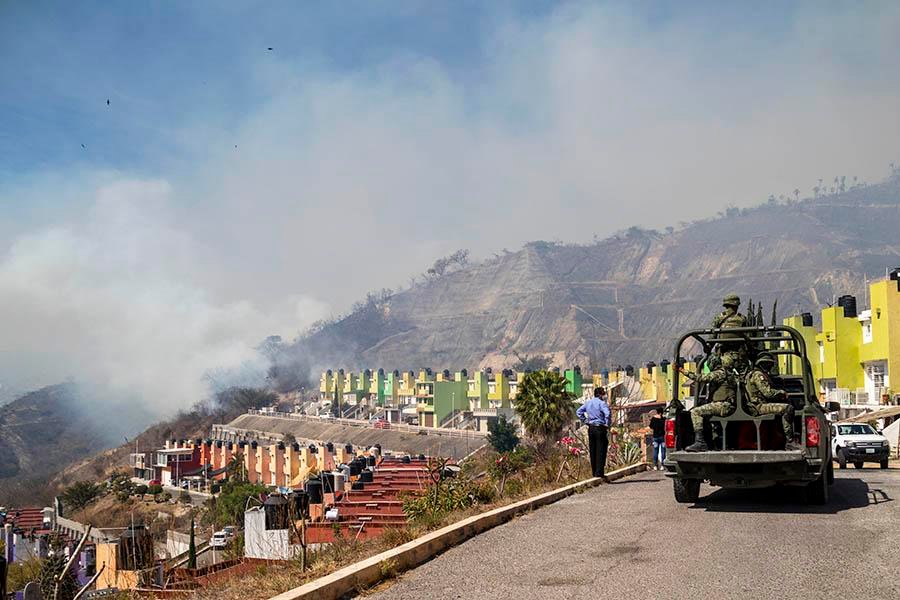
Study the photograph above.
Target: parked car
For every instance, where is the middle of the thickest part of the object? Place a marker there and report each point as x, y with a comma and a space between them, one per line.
221, 538
858, 443
380, 423
154, 482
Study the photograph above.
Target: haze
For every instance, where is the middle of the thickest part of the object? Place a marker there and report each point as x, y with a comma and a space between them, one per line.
228, 191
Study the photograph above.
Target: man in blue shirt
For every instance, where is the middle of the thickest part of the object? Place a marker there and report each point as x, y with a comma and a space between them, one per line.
596, 415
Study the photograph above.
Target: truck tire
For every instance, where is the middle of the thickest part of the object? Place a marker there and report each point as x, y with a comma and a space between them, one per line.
884, 464
842, 458
817, 491
686, 490
858, 464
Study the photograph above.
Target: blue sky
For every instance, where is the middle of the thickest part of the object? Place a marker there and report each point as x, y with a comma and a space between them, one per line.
228, 192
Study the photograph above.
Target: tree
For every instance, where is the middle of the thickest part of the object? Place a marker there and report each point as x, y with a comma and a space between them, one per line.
544, 406
141, 490
502, 435
80, 494
526, 362
120, 484
192, 549
228, 507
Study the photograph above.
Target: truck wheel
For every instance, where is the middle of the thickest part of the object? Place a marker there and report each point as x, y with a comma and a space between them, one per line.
817, 491
842, 458
686, 490
884, 464
858, 464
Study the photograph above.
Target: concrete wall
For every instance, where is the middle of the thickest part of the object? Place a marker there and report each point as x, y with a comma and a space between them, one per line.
260, 543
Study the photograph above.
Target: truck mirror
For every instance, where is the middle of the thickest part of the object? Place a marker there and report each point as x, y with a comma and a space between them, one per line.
832, 406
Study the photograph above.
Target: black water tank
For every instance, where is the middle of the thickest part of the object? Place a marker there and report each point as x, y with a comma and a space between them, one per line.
464, 373
664, 365
277, 513
330, 447
895, 276
366, 476
555, 369
806, 319
370, 461
629, 370
355, 467
357, 486
314, 490
649, 366
848, 302
421, 457
254, 444
348, 448
313, 449
218, 443
406, 460
604, 372
281, 445
296, 447
577, 369
301, 504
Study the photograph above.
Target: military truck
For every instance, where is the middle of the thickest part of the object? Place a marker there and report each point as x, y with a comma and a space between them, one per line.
748, 451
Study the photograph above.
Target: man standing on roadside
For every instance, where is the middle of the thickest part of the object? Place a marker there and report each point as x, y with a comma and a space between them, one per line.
658, 429
595, 414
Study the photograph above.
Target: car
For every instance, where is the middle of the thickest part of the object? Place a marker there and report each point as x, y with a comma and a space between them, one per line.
750, 451
154, 482
858, 443
221, 538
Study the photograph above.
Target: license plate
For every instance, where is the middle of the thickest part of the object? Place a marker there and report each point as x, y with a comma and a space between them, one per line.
870, 450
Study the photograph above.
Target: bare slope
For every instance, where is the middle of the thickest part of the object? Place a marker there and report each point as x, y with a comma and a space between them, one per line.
623, 299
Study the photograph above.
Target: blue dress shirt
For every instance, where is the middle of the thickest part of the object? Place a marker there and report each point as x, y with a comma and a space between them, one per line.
594, 412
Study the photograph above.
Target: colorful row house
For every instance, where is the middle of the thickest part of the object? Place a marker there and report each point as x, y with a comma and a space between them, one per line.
855, 352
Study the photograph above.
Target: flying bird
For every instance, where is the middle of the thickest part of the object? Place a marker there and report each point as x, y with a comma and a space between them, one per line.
107, 101
82, 145
270, 49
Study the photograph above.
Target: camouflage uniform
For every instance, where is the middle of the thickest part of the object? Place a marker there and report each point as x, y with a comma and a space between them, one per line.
722, 402
729, 318
760, 393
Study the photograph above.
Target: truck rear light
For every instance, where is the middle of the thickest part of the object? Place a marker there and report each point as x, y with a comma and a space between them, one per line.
812, 432
670, 433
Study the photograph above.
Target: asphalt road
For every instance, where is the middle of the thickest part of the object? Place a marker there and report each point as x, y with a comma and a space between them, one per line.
630, 539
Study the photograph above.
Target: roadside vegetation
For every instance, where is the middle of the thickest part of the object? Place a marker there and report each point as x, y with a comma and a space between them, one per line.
551, 454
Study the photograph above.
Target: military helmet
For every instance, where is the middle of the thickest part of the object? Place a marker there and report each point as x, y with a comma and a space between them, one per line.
731, 300
765, 357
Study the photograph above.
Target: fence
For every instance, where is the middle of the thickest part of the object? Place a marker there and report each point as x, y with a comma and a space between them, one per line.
417, 429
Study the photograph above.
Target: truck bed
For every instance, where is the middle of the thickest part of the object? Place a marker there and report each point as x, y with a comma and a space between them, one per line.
737, 457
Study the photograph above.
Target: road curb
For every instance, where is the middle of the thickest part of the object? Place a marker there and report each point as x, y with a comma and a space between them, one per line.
370, 571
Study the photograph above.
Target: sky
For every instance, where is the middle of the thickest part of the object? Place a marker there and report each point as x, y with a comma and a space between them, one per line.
180, 180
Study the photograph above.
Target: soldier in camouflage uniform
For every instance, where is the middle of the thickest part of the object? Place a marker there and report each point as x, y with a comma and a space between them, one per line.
761, 395
727, 319
722, 402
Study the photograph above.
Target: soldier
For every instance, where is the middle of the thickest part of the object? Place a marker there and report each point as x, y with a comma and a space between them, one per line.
727, 319
730, 317
722, 401
761, 395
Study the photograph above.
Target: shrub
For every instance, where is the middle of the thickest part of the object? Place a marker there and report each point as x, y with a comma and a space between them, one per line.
141, 490
228, 507
507, 465
163, 497
184, 497
502, 435
544, 406
155, 489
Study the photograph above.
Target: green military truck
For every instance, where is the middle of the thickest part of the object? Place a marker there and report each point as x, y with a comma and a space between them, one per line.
747, 451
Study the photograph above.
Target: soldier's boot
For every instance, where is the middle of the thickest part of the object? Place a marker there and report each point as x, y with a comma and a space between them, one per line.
699, 444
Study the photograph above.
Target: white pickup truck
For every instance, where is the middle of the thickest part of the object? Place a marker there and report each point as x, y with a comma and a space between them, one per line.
858, 443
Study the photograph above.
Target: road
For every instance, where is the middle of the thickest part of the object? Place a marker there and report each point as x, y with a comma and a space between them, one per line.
630, 539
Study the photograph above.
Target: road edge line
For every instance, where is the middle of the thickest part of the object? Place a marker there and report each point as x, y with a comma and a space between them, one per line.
370, 571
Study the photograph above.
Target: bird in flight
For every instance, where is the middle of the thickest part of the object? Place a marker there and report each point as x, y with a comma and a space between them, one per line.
107, 101
82, 145
270, 49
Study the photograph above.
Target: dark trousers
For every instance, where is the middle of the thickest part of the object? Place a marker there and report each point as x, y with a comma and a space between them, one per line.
597, 444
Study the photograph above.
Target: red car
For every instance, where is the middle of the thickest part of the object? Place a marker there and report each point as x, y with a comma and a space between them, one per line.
154, 482
381, 424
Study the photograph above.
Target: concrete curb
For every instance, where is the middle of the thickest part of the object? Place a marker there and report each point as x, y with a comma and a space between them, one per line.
370, 571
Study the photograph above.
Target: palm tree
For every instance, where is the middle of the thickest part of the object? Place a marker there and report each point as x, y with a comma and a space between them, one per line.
544, 406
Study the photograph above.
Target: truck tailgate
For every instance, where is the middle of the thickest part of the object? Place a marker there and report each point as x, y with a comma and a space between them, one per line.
737, 457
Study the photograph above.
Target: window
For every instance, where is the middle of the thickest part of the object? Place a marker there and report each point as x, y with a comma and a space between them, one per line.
821, 352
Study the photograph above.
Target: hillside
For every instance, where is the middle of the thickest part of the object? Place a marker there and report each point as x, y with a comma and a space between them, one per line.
623, 299
40, 433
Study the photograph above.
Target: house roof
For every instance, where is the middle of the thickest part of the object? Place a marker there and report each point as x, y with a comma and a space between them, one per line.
24, 518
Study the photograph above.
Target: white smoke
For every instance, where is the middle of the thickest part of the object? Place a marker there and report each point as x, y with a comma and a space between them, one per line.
111, 299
